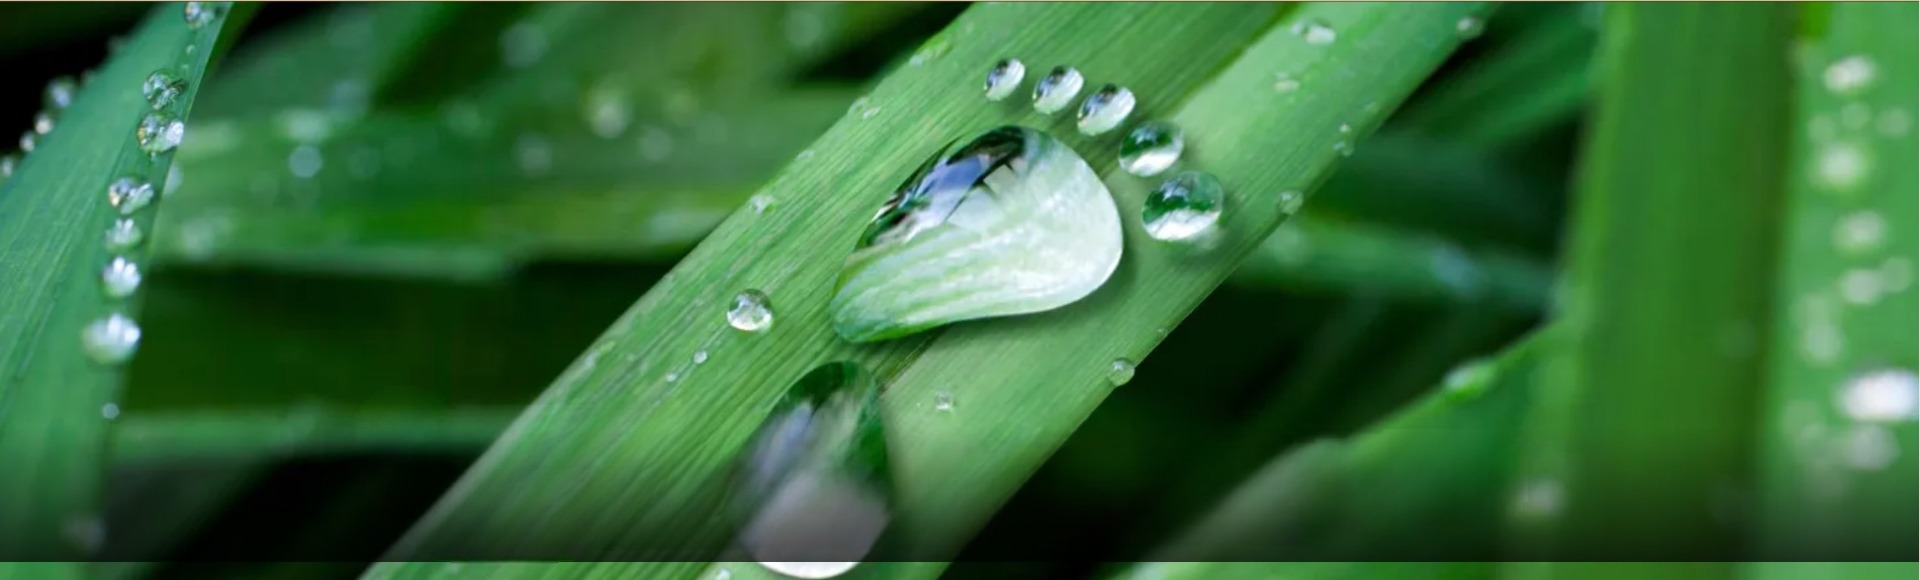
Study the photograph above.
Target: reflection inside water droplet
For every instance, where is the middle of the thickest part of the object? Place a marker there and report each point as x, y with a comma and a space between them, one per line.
1183, 207
751, 311
1005, 78
1151, 148
111, 340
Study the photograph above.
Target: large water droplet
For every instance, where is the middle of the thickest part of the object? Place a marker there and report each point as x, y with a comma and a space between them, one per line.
163, 89
60, 92
1849, 75
129, 194
1105, 109
1010, 222
1183, 207
159, 133
1881, 395
815, 480
1120, 372
1151, 148
199, 14
1315, 32
124, 235
120, 278
1056, 90
752, 311
110, 340
1005, 78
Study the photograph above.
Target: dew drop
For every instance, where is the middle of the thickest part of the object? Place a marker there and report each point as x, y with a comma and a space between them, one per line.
672, 377
1105, 109
1284, 83
129, 194
1469, 380
1849, 75
1860, 286
1343, 148
1841, 165
1120, 372
759, 202
815, 476
1056, 90
124, 235
1005, 78
120, 278
111, 340
1881, 396
522, 44
723, 574
1151, 148
1469, 27
110, 411
199, 14
163, 89
60, 92
1859, 232
700, 357
943, 401
1183, 207
1315, 32
1290, 201
751, 311
42, 123
7, 164
1030, 225
608, 112
159, 133
27, 141
305, 161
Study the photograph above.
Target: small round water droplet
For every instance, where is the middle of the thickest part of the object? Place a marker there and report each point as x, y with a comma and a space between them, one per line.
1105, 109
1183, 207
700, 357
1346, 129
1849, 75
608, 112
129, 194
43, 123
159, 133
1881, 396
522, 44
305, 161
124, 235
1860, 286
60, 92
1151, 148
1343, 148
7, 164
672, 377
759, 202
1859, 232
1469, 27
1841, 165
28, 140
943, 401
111, 340
1056, 90
1120, 372
199, 14
751, 311
120, 278
163, 89
1005, 78
110, 411
533, 154
1315, 32
1284, 83
1290, 201
1469, 380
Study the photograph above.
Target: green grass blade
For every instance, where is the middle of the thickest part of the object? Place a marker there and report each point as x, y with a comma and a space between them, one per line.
226, 435
1644, 419
1327, 254
1539, 78
1420, 182
615, 458
337, 61
53, 215
1838, 476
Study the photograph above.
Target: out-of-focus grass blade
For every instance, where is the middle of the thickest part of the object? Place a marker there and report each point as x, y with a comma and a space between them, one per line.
1366, 258
54, 216
154, 507
1642, 424
1537, 79
617, 459
226, 434
1291, 570
1432, 184
333, 62
1837, 433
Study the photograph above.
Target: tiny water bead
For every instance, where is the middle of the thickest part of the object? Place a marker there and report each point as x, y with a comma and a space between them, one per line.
199, 14
124, 235
1183, 207
1881, 396
1841, 165
700, 357
1056, 90
60, 92
120, 278
1005, 78
111, 340
42, 123
814, 485
129, 194
1105, 109
159, 133
1849, 74
1469, 27
943, 401
1010, 222
1120, 372
27, 141
1469, 380
7, 165
751, 311
1151, 148
1290, 201
163, 89
1284, 83
1315, 32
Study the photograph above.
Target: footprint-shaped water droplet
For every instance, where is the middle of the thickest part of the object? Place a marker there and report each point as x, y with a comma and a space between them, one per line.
1105, 109
162, 89
159, 133
111, 340
1005, 78
1056, 90
1010, 222
129, 194
124, 235
1183, 207
120, 278
1151, 148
